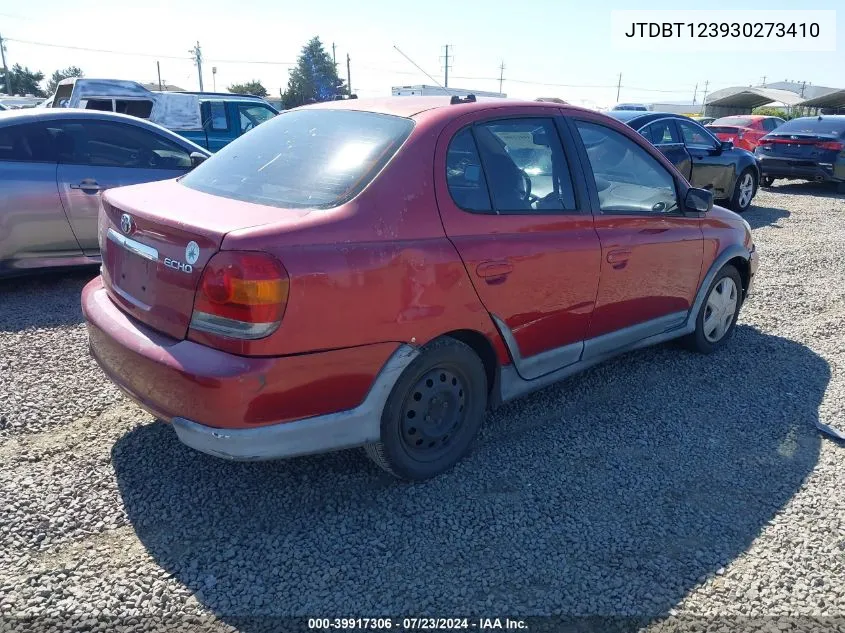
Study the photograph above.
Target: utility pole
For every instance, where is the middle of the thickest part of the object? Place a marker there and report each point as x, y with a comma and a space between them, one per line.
803, 85
446, 75
334, 56
158, 70
5, 68
348, 75
704, 98
214, 77
764, 81
618, 87
501, 75
197, 53
694, 94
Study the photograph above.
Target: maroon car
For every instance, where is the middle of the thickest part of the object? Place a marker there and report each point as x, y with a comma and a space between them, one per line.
379, 273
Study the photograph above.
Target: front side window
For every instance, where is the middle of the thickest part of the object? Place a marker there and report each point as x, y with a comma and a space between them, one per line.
525, 166
628, 179
303, 158
107, 144
464, 175
253, 115
694, 135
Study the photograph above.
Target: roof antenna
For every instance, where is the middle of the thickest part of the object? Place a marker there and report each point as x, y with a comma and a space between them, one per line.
439, 85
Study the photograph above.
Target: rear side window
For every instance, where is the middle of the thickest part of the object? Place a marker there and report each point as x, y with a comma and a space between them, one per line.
467, 184
106, 144
26, 143
661, 133
140, 108
814, 125
525, 166
303, 158
214, 116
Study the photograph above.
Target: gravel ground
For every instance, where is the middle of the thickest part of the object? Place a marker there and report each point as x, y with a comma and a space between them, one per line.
660, 485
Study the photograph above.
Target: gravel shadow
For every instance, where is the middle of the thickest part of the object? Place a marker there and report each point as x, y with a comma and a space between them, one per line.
43, 299
804, 188
614, 493
758, 216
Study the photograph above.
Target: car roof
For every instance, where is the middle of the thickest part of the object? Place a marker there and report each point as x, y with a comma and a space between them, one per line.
638, 119
31, 115
412, 106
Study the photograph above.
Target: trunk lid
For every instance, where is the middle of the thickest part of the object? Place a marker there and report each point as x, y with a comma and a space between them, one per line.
155, 240
808, 147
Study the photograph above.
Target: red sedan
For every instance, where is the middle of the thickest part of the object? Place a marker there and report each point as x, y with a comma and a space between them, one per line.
744, 131
380, 273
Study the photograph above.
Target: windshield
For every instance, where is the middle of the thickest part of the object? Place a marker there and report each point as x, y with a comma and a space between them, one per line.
733, 122
814, 125
303, 158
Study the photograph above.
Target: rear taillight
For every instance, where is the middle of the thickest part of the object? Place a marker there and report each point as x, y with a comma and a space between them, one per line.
836, 146
241, 295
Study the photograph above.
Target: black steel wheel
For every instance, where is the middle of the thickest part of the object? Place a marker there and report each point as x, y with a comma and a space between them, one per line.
433, 413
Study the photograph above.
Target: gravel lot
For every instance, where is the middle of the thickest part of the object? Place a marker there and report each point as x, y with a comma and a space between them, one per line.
663, 484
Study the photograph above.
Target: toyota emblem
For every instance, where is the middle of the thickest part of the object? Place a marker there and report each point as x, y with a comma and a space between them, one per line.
126, 223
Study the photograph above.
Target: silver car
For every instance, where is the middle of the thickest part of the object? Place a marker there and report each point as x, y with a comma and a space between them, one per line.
53, 166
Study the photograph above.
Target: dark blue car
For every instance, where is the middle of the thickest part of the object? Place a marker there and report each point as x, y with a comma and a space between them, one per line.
807, 148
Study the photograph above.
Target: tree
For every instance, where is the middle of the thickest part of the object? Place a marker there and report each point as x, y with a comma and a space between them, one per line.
253, 87
314, 78
23, 81
70, 71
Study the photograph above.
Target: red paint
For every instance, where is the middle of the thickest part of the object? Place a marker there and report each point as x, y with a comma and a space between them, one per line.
745, 136
400, 263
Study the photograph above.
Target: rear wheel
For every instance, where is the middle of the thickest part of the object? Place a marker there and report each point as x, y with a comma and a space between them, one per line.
744, 190
716, 320
433, 412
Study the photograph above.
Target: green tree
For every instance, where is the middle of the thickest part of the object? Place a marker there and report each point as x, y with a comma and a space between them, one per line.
70, 71
314, 78
23, 81
253, 87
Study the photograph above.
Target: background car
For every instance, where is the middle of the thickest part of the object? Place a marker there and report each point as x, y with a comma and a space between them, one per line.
374, 273
731, 173
53, 166
703, 120
744, 131
634, 107
807, 148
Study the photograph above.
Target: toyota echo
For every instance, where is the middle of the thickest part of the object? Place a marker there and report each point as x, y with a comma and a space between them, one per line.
380, 273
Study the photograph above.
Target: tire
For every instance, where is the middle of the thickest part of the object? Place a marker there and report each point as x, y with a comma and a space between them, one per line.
767, 181
705, 339
445, 390
742, 197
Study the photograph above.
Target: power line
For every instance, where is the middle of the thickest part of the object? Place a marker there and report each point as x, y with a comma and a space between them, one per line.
94, 50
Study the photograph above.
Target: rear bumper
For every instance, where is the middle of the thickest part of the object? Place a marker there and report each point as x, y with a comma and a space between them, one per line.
240, 407
787, 168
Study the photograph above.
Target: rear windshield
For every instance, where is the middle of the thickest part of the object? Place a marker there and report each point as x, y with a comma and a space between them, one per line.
733, 122
303, 158
813, 125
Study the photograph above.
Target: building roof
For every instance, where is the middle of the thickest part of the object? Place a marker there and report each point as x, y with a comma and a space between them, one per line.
834, 99
751, 97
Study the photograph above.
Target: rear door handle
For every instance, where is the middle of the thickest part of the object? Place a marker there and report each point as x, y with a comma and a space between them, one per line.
618, 258
494, 271
88, 185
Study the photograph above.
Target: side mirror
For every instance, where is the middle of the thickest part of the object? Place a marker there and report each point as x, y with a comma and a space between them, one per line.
197, 158
726, 145
698, 201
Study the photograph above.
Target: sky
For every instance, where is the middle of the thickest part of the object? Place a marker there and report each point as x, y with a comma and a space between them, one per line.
549, 48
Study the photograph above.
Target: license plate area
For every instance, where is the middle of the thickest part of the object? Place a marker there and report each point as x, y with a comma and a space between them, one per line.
133, 267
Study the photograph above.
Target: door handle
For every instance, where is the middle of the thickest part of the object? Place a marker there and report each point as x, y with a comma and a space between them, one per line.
618, 258
88, 185
494, 272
